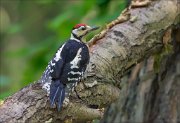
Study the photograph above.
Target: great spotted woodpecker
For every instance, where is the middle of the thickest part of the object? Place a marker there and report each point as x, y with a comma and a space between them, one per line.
67, 66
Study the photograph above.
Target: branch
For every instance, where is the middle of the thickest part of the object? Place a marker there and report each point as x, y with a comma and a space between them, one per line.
113, 52
149, 96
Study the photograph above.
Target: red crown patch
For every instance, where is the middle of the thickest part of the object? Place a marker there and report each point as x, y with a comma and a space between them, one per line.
78, 25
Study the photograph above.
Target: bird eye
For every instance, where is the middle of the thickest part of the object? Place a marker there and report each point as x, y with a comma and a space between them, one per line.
83, 28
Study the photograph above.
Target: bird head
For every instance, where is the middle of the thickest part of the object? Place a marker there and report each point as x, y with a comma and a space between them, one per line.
81, 30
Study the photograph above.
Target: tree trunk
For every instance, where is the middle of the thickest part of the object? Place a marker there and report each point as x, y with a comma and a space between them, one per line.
149, 96
135, 35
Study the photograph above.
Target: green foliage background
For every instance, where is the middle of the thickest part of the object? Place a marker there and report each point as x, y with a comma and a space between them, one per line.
32, 30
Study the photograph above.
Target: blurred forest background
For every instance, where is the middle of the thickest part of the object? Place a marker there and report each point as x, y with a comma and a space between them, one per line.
32, 30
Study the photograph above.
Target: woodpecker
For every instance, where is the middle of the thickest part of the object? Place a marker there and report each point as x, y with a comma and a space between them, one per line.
67, 67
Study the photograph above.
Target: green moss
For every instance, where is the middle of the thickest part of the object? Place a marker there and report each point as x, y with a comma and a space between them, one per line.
166, 50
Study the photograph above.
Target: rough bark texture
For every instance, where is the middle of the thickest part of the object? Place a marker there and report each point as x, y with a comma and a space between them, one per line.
149, 96
122, 47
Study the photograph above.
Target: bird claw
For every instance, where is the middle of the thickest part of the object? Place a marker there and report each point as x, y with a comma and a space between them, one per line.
66, 102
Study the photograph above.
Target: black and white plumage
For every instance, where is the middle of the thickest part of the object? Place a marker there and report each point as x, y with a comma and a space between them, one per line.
67, 67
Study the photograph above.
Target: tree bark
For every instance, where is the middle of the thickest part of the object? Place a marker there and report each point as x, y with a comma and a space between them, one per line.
149, 96
112, 54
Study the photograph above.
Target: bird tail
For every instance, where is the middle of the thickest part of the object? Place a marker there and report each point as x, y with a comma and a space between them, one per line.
57, 93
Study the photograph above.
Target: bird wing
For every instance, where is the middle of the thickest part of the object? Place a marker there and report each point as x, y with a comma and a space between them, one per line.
54, 68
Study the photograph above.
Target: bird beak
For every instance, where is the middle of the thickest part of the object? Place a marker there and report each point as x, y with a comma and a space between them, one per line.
90, 29
94, 28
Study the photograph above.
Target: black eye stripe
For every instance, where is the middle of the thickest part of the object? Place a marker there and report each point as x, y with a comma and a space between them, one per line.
83, 28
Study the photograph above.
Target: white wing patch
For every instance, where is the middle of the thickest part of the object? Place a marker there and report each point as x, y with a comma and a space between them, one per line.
73, 73
51, 71
52, 64
76, 60
58, 54
73, 79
